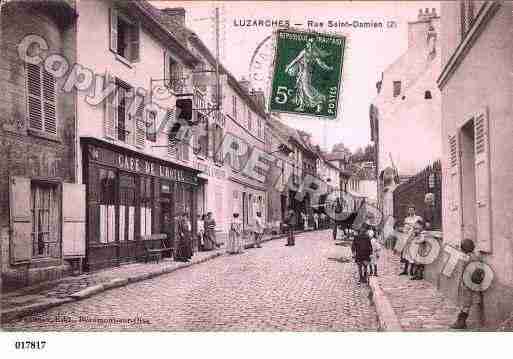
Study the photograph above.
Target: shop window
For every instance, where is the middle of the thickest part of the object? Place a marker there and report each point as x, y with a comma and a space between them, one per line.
127, 205
146, 206
107, 210
45, 204
124, 36
41, 99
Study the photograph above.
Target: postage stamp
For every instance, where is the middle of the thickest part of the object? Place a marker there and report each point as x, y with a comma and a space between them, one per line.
307, 73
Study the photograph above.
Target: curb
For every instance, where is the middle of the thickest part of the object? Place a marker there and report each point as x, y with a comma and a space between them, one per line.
387, 318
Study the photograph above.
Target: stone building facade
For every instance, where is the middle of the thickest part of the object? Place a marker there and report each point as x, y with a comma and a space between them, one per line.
39, 226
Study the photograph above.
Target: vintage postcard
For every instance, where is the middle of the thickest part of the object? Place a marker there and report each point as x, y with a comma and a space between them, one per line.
259, 166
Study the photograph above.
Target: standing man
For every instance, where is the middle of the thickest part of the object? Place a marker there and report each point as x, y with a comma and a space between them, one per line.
259, 229
290, 220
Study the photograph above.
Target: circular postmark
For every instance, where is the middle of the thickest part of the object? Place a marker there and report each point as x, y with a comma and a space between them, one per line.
260, 65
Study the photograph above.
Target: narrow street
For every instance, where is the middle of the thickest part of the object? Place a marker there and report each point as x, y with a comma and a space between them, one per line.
275, 288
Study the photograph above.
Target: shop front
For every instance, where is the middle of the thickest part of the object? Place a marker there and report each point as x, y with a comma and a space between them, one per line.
131, 197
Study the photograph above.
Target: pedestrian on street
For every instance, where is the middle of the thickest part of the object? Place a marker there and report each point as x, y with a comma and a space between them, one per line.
466, 296
362, 250
209, 237
316, 220
235, 244
184, 246
408, 228
290, 221
258, 230
305, 220
376, 251
201, 232
418, 237
323, 220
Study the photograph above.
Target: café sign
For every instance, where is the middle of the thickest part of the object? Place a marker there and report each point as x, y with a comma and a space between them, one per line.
140, 165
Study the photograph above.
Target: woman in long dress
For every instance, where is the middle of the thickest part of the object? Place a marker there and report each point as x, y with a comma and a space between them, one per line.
184, 248
235, 244
210, 226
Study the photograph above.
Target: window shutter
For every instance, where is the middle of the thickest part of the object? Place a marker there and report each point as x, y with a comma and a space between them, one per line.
166, 69
73, 219
454, 187
110, 113
49, 103
482, 170
135, 33
140, 125
34, 90
113, 30
171, 147
21, 219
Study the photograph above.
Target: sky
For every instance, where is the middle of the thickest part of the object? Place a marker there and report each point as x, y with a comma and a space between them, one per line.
369, 50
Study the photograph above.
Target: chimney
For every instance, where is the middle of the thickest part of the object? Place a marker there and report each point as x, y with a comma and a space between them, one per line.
176, 14
259, 97
174, 20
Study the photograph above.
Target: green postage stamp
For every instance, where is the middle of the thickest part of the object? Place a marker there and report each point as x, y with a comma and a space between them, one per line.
307, 73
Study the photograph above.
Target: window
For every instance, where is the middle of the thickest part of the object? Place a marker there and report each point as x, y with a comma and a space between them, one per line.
200, 144
151, 125
217, 141
173, 73
45, 206
234, 108
123, 116
41, 99
260, 127
124, 36
397, 88
427, 95
127, 204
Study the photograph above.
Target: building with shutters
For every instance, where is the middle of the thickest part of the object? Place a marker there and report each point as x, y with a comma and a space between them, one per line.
477, 169
405, 116
41, 206
138, 172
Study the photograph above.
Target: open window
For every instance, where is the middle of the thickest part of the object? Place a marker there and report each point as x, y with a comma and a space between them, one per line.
124, 36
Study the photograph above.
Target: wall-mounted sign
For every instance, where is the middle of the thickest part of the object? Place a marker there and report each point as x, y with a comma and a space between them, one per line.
140, 164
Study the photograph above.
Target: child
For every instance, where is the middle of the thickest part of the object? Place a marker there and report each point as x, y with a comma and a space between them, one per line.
376, 249
466, 296
418, 268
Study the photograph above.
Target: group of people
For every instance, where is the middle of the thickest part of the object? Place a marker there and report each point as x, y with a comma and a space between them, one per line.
235, 243
206, 233
314, 220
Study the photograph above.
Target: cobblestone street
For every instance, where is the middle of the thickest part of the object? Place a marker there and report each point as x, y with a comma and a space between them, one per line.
269, 289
